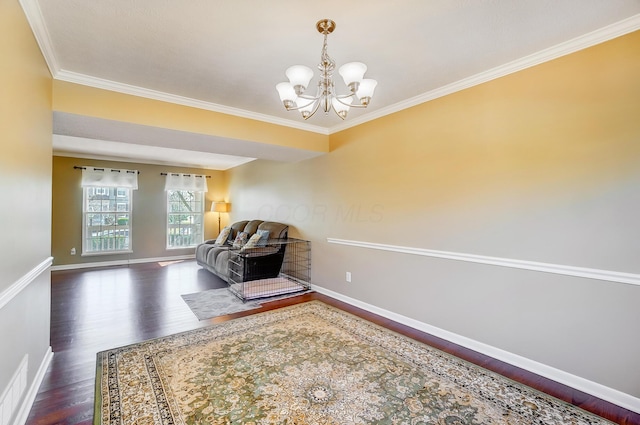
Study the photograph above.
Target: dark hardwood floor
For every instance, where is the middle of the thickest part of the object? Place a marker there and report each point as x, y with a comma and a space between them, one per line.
97, 309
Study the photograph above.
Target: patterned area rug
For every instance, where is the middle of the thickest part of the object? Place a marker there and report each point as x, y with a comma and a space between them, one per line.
309, 364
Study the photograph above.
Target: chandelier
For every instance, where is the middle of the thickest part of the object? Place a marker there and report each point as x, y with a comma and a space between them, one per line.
292, 93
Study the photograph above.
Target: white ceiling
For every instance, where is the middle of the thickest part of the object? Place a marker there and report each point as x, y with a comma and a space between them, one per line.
228, 55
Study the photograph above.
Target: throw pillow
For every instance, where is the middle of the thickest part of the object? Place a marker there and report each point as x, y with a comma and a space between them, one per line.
222, 237
264, 237
240, 240
252, 242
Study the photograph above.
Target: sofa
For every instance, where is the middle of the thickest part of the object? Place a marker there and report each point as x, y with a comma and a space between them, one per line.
256, 262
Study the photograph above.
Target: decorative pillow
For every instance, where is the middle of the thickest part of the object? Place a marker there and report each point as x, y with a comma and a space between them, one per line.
264, 237
240, 240
223, 236
252, 242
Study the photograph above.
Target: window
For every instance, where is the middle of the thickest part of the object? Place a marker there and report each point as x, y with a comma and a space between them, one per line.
185, 212
107, 220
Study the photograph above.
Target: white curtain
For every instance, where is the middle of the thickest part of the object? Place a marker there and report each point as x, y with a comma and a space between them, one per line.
109, 177
178, 181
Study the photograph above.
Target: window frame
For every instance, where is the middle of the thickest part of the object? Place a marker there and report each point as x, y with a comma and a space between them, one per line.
117, 201
200, 236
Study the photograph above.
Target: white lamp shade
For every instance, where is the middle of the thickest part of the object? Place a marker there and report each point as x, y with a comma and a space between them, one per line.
341, 107
286, 92
352, 72
299, 75
366, 88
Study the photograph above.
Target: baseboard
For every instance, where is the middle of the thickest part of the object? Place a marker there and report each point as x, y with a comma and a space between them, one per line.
23, 412
614, 396
121, 262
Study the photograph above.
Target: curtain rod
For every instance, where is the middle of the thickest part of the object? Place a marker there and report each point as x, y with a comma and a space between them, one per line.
102, 169
188, 175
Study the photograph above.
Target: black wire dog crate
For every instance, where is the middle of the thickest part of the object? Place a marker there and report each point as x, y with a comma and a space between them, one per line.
281, 267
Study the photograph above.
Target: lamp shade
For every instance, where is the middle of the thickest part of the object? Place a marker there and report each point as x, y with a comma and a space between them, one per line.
220, 207
339, 105
286, 92
352, 72
366, 88
306, 109
299, 75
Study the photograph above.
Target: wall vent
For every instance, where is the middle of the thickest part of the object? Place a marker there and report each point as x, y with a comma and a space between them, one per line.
10, 399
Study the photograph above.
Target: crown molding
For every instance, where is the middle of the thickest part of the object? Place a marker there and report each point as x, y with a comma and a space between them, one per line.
100, 83
34, 16
36, 21
140, 160
601, 35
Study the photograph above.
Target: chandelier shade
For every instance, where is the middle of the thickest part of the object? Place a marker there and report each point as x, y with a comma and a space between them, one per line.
299, 77
352, 72
365, 90
292, 93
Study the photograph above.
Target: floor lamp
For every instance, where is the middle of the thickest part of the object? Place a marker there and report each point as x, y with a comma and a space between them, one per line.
220, 207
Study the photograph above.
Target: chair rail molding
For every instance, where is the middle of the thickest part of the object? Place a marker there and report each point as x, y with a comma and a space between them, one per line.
8, 294
606, 275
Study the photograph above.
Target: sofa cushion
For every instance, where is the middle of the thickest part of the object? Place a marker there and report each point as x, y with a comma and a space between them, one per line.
251, 243
264, 237
240, 240
236, 228
252, 226
276, 230
223, 236
202, 251
221, 263
213, 254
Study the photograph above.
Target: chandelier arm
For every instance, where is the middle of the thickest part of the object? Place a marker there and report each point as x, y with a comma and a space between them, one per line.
306, 97
334, 110
315, 109
351, 105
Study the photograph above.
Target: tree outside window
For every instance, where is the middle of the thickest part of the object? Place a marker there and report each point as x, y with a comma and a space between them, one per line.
185, 213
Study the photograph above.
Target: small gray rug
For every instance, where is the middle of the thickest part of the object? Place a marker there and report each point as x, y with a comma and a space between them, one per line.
216, 302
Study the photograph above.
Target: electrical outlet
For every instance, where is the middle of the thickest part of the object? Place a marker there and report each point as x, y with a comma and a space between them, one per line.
347, 277
73, 251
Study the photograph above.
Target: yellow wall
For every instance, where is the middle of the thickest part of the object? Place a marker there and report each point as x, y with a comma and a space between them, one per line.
25, 162
93, 102
25, 184
149, 210
562, 133
542, 165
